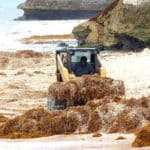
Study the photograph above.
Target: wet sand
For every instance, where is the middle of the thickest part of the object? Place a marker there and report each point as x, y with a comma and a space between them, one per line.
74, 142
26, 76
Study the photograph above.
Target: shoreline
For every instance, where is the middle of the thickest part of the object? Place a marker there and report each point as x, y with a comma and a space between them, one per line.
16, 31
63, 142
48, 39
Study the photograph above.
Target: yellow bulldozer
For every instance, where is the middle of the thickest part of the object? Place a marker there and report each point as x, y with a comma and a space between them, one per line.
66, 59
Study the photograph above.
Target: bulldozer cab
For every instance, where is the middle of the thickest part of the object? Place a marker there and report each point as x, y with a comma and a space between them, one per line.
66, 60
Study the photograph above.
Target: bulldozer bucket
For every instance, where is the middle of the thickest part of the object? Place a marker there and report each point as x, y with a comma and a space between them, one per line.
55, 104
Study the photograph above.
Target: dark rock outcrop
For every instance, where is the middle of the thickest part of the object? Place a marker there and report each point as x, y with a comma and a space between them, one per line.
61, 9
120, 25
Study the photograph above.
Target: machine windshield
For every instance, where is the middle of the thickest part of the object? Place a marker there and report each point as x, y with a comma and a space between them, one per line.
77, 56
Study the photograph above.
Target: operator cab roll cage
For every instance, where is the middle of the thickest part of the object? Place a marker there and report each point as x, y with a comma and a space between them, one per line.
69, 57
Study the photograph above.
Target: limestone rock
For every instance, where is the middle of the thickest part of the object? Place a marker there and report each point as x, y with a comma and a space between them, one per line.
57, 9
122, 24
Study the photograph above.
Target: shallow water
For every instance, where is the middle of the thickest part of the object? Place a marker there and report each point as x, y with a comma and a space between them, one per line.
10, 40
11, 32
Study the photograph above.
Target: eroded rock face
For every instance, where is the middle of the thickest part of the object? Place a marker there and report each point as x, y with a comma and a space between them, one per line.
65, 9
122, 24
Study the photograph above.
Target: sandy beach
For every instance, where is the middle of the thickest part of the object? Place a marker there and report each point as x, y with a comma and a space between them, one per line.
26, 75
64, 142
27, 69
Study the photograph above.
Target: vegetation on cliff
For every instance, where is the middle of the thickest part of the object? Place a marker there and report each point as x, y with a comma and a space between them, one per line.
81, 34
64, 4
120, 25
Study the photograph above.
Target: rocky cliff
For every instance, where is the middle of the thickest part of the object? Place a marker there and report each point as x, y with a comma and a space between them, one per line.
57, 9
123, 24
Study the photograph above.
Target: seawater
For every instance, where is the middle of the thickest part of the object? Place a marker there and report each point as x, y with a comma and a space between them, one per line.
11, 32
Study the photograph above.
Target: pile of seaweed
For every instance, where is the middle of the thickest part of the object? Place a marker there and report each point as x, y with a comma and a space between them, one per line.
143, 137
110, 114
3, 118
86, 88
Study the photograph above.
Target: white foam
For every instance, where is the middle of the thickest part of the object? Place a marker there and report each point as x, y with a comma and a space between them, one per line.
10, 40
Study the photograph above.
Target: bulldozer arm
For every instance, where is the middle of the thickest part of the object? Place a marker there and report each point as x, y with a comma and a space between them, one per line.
61, 70
99, 68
